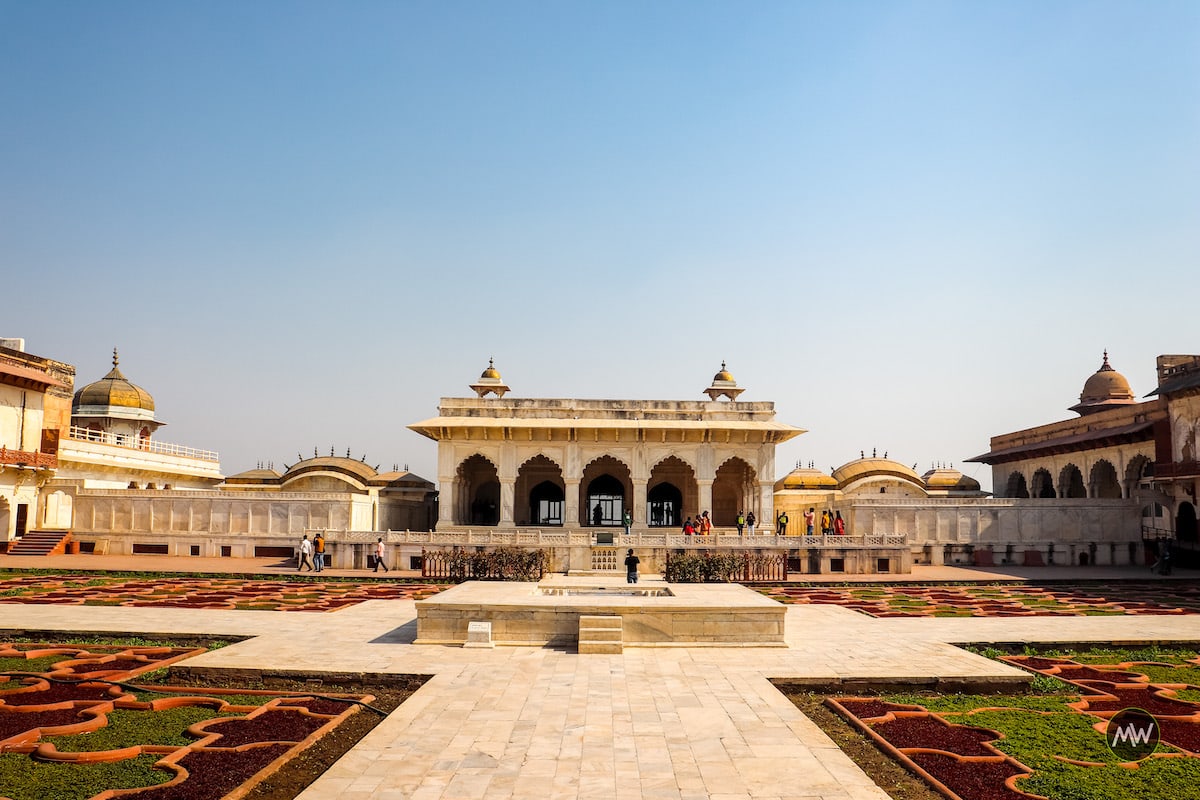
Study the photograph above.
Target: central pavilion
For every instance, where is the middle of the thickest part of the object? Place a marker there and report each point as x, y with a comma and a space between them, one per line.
585, 463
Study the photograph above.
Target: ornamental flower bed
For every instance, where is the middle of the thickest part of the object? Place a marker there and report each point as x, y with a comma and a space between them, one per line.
998, 600
215, 593
1021, 747
74, 718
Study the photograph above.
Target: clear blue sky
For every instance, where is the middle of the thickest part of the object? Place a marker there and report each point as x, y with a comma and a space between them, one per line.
912, 225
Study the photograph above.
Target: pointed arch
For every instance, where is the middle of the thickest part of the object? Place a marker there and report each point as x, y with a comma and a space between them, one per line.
1070, 482
671, 492
1103, 480
540, 492
1043, 484
1140, 468
478, 483
734, 490
604, 492
1016, 487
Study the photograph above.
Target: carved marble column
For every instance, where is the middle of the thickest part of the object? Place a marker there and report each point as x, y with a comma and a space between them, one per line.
704, 492
571, 503
638, 511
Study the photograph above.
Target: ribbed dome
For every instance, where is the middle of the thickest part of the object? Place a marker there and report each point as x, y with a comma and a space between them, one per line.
1104, 389
114, 389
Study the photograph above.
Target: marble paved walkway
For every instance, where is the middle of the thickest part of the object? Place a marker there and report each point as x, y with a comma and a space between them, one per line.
673, 722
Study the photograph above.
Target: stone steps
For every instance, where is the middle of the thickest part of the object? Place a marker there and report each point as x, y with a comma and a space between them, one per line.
600, 634
41, 543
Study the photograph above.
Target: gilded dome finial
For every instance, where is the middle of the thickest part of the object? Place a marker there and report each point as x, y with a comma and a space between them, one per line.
116, 359
490, 382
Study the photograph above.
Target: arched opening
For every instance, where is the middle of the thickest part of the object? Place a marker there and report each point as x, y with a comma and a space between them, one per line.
680, 493
479, 492
664, 506
1104, 481
1043, 484
540, 493
606, 501
1185, 523
1139, 470
546, 504
733, 491
1016, 486
604, 490
1070, 482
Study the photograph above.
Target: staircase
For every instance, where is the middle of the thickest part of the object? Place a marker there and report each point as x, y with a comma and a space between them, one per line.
40, 543
600, 634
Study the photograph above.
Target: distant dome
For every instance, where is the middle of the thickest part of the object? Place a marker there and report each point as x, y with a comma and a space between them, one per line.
805, 478
114, 390
1104, 389
948, 479
491, 372
723, 375
723, 385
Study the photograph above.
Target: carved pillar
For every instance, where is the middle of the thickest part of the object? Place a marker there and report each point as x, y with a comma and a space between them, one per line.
704, 490
507, 496
571, 503
767, 504
448, 503
639, 501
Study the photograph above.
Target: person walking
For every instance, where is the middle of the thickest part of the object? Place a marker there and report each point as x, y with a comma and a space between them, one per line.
781, 524
627, 521
305, 557
688, 528
318, 553
826, 522
750, 520
810, 518
741, 522
839, 525
379, 556
631, 567
705, 524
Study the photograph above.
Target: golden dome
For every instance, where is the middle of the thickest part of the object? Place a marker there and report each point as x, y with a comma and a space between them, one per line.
949, 479
723, 375
114, 389
490, 382
1105, 388
491, 373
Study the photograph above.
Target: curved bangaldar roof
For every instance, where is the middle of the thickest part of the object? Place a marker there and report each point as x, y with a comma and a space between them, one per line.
1104, 389
806, 478
114, 390
873, 466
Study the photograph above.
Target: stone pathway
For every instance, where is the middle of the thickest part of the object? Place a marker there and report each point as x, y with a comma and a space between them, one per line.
671, 722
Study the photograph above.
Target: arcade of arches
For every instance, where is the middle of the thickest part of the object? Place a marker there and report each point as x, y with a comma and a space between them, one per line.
603, 494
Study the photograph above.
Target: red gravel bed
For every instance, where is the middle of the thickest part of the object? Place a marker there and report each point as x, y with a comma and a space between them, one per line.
1184, 734
976, 780
864, 709
60, 692
212, 774
14, 722
272, 726
932, 733
1145, 699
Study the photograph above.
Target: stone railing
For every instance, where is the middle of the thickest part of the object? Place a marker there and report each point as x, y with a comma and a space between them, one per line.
561, 537
79, 434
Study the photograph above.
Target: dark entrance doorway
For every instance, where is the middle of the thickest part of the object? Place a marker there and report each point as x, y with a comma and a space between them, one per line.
546, 504
606, 501
665, 502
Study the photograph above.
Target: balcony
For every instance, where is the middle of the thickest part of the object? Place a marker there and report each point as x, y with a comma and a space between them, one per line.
144, 445
27, 458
